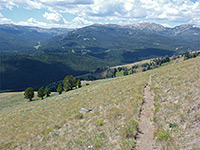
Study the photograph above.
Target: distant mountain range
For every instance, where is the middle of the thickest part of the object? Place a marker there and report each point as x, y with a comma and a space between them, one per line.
95, 38
103, 38
25, 39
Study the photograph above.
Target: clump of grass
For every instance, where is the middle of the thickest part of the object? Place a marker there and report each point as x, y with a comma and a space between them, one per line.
128, 143
68, 143
99, 122
173, 125
55, 134
164, 135
131, 129
79, 116
47, 131
7, 145
157, 107
99, 140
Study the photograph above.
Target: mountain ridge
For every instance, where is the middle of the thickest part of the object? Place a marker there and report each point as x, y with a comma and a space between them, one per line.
15, 38
22, 39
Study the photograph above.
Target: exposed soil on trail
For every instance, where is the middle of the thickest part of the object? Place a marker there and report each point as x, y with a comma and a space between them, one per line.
145, 140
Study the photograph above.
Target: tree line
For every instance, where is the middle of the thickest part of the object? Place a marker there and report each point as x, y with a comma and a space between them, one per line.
188, 55
123, 71
69, 83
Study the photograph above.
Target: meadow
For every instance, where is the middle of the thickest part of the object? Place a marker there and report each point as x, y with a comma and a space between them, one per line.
113, 119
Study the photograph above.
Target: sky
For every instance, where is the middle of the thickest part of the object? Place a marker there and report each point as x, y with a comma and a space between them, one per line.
80, 13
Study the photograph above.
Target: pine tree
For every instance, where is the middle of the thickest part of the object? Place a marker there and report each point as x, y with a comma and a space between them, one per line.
29, 93
41, 93
79, 83
60, 88
68, 83
47, 91
74, 82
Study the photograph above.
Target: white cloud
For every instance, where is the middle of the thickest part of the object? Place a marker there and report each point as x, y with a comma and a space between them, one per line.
75, 23
79, 22
32, 22
4, 20
175, 11
55, 18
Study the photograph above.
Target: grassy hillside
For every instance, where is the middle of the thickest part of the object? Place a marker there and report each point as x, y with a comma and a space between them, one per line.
56, 123
177, 104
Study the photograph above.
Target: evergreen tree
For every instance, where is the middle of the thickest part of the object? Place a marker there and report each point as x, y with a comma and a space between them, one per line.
60, 88
29, 93
68, 83
47, 91
79, 83
186, 55
41, 93
166, 59
125, 73
74, 82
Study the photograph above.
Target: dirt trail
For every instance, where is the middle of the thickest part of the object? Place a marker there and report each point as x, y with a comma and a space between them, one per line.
145, 139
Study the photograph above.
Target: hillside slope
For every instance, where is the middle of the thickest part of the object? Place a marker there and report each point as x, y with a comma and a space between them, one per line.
101, 39
25, 39
115, 110
177, 105
17, 72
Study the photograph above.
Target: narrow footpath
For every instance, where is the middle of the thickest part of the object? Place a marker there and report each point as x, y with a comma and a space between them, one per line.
145, 140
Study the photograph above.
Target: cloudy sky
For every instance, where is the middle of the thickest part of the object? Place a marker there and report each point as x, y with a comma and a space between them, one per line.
79, 13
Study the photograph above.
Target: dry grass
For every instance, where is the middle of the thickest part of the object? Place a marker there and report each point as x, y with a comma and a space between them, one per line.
55, 122
177, 103
132, 64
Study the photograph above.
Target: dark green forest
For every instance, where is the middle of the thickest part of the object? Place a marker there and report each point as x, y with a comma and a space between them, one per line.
21, 71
